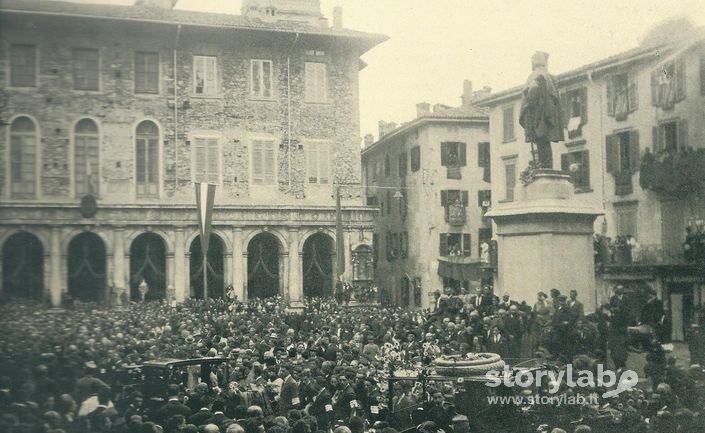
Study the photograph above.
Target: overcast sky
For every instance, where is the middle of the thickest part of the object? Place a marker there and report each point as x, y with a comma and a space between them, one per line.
435, 44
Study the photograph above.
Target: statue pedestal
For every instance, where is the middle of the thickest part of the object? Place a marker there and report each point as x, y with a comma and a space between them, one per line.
544, 241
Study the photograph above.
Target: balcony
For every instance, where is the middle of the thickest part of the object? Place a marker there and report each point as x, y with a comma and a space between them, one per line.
454, 172
455, 214
623, 183
674, 174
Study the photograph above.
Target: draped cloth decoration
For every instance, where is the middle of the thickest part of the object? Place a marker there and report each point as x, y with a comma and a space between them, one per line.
22, 266
317, 263
260, 263
460, 268
86, 264
148, 263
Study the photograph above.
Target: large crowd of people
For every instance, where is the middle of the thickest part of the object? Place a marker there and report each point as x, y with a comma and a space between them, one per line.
328, 368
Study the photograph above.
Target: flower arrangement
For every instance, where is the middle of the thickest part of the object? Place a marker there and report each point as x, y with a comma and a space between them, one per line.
527, 176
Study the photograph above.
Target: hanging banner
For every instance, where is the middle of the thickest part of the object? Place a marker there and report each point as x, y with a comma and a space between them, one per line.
339, 240
205, 195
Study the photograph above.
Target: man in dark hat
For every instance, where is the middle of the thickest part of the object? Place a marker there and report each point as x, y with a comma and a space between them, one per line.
173, 406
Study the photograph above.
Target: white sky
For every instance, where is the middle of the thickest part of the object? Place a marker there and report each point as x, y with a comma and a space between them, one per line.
435, 44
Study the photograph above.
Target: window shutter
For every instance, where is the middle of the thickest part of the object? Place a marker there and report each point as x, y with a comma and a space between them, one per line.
415, 158
210, 86
323, 163
483, 154
442, 244
610, 96
257, 163
564, 109
462, 153
212, 160
655, 87
612, 153
464, 197
444, 197
633, 92
310, 72
634, 151
444, 154
680, 79
585, 169
466, 244
656, 137
269, 163
583, 106
200, 166
682, 134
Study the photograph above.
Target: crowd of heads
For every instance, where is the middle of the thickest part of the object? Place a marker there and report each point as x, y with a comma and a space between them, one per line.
324, 369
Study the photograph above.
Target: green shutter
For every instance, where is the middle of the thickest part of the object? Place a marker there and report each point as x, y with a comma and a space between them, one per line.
680, 79
442, 244
633, 100
464, 197
466, 244
655, 88
444, 154
634, 156
444, 197
462, 154
611, 151
610, 96
583, 106
585, 169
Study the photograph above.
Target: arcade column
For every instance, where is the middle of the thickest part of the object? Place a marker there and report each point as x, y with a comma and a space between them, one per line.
544, 240
238, 277
182, 266
295, 282
55, 272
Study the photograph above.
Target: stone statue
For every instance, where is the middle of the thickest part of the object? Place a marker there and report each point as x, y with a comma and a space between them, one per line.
485, 253
143, 288
540, 114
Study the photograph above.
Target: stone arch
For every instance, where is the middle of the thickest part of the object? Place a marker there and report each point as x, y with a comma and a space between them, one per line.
38, 233
312, 231
148, 263
222, 234
23, 266
215, 269
168, 241
265, 275
318, 264
87, 267
283, 240
70, 235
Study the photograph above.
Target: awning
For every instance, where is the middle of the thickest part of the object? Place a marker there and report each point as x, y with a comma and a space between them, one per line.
460, 268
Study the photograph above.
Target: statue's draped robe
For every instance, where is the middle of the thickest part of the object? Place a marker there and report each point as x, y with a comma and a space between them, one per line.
540, 114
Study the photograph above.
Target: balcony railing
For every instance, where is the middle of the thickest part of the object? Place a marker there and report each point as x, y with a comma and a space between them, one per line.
455, 214
623, 183
454, 172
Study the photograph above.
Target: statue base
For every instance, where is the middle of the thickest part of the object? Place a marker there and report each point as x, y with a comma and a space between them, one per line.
545, 241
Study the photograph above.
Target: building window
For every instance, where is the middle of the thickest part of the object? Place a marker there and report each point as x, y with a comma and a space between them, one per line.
483, 154
23, 65
402, 164
404, 244
146, 72
574, 105
453, 154
623, 152
86, 69
483, 235
622, 96
204, 75
454, 201
206, 160
668, 84
508, 123
363, 263
23, 158
578, 165
484, 198
415, 158
147, 158
375, 250
315, 53
389, 202
86, 162
318, 158
387, 166
510, 180
454, 244
671, 136
263, 162
261, 77
316, 82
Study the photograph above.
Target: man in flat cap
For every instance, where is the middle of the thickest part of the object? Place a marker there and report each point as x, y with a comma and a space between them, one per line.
540, 114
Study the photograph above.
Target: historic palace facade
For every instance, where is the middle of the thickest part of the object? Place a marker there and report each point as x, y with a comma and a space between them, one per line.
109, 114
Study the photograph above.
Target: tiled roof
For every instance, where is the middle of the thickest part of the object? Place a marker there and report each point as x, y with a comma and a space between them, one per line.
463, 113
184, 17
634, 54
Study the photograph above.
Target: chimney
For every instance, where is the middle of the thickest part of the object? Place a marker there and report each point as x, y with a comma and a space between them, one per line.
385, 128
161, 4
422, 108
369, 140
437, 108
467, 93
337, 18
481, 94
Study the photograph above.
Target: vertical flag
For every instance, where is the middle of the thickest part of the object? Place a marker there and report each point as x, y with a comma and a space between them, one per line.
205, 195
339, 241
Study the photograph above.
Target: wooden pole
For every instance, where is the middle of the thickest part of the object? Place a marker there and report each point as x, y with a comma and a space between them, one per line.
205, 275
